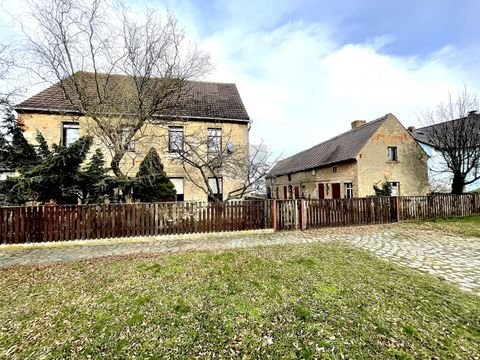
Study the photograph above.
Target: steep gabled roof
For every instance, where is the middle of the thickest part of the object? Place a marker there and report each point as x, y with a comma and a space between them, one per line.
199, 99
341, 148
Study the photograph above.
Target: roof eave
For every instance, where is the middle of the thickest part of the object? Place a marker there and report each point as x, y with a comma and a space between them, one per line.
313, 167
26, 109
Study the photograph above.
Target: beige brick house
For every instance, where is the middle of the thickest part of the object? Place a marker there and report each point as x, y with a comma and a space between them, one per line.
213, 110
350, 164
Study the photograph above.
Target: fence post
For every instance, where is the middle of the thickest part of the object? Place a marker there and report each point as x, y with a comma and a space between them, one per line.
397, 206
303, 215
274, 215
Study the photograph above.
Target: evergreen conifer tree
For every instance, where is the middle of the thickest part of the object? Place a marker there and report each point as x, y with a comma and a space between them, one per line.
151, 182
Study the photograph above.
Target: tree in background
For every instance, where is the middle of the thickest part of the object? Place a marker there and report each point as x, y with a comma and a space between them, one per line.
80, 45
151, 182
15, 152
55, 176
453, 129
207, 158
94, 183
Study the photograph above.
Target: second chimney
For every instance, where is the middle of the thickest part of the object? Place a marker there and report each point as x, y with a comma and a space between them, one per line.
357, 123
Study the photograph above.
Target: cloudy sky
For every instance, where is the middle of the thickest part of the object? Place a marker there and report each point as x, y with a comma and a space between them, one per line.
305, 69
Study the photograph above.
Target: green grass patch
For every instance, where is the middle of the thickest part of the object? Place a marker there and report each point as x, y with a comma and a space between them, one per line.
465, 226
298, 301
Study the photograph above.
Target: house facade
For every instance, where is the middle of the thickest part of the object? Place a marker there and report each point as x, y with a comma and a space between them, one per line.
350, 164
213, 111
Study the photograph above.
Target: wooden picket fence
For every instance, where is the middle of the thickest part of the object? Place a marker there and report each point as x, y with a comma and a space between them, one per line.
32, 224
304, 214
438, 206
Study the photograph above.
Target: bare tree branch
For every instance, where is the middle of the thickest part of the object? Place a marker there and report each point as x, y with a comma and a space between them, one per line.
453, 129
83, 48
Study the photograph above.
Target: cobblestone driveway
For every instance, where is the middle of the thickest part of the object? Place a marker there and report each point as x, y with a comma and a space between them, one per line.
456, 259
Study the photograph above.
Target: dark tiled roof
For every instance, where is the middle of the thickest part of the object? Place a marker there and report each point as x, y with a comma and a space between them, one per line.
423, 134
341, 148
198, 99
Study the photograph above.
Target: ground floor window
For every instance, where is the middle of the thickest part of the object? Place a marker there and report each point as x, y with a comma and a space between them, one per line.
179, 187
395, 188
216, 184
348, 190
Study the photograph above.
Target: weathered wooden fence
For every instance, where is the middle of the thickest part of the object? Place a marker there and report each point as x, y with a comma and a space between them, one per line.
304, 214
31, 224
437, 206
58, 223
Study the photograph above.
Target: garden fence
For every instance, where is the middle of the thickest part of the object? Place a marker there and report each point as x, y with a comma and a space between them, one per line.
33, 224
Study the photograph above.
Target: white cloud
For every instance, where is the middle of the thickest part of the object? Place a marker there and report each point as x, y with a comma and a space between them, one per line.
301, 88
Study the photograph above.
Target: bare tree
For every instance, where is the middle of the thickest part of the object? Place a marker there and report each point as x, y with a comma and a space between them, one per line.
453, 129
215, 157
82, 46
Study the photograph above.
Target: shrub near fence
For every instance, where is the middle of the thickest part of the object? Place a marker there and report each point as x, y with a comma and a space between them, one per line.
58, 223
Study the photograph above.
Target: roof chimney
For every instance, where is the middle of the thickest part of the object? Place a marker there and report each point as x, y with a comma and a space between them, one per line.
412, 129
357, 123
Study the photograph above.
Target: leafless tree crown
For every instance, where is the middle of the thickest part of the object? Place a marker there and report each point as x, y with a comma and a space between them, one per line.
453, 129
83, 45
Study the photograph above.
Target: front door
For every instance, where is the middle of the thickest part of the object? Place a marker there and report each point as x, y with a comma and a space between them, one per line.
321, 191
336, 191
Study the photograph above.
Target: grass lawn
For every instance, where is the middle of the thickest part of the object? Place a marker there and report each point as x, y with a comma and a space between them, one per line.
466, 226
303, 301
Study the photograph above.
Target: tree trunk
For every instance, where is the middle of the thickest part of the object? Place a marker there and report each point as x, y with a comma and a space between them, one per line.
458, 183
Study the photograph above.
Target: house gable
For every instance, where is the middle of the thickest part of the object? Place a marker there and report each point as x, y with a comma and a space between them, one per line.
409, 168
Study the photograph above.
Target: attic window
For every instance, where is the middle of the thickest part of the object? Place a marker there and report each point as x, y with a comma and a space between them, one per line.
392, 153
289, 177
334, 169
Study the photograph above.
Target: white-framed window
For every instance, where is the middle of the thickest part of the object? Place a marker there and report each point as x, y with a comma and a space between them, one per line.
348, 190
392, 153
70, 133
179, 188
217, 190
395, 188
129, 145
214, 141
175, 138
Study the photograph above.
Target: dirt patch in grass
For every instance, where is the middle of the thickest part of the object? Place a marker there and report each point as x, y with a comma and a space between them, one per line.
302, 301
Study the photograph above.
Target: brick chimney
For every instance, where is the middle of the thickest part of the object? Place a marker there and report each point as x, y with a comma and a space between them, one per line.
357, 123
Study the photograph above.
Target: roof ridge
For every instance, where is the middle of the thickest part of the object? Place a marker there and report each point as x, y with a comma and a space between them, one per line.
155, 77
446, 122
337, 136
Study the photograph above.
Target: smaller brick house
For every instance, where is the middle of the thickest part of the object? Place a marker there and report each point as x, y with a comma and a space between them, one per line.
350, 164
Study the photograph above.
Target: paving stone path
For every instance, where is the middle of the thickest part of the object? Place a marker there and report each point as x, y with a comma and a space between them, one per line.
454, 258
